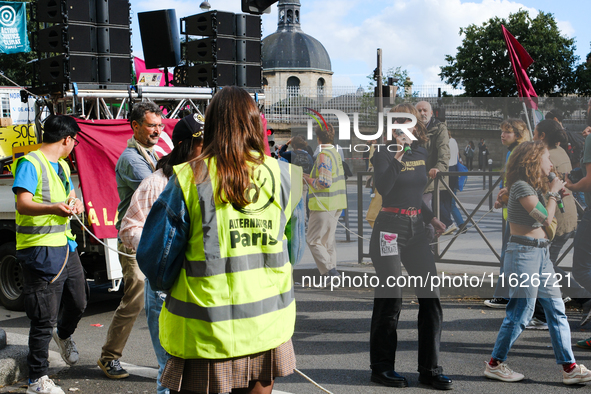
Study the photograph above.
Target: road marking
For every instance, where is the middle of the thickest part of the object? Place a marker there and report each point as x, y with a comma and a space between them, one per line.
144, 372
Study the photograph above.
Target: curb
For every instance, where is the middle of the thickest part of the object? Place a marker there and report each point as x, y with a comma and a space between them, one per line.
13, 360
2, 339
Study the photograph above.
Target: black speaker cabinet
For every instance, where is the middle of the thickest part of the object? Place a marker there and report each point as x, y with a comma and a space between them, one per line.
249, 76
114, 69
62, 11
65, 69
160, 38
221, 74
248, 51
209, 24
112, 12
67, 38
113, 40
206, 50
248, 26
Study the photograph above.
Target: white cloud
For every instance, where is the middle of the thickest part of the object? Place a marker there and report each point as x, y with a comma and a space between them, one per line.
566, 28
414, 34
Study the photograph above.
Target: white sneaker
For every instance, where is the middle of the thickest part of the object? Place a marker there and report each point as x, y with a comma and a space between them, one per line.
67, 347
450, 229
536, 324
578, 375
44, 385
502, 372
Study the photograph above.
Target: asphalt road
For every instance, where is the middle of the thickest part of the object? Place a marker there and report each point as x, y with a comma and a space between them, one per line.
331, 344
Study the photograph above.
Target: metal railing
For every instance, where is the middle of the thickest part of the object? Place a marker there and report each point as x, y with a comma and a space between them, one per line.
470, 216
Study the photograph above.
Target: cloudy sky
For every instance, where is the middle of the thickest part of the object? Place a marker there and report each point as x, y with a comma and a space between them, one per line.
413, 34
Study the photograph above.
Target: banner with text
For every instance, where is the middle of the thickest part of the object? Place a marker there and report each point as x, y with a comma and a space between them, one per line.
101, 144
13, 28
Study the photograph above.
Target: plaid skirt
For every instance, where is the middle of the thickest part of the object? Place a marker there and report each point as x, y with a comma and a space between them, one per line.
206, 376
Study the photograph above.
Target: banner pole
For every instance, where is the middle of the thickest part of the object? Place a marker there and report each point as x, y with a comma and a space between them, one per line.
528, 122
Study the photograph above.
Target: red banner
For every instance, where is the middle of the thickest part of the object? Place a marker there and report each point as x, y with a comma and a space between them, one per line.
101, 144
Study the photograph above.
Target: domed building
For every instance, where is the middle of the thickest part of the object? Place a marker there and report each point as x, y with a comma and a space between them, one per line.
293, 59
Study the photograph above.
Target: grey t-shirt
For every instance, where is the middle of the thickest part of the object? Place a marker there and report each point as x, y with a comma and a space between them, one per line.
130, 171
516, 213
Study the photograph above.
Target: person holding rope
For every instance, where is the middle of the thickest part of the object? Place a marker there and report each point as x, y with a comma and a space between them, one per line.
216, 240
53, 277
399, 236
528, 258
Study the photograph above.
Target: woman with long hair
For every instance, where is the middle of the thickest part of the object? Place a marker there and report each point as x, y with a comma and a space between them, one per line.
218, 245
187, 139
399, 236
513, 133
527, 265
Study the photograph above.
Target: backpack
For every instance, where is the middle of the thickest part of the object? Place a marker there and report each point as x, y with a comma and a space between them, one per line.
302, 159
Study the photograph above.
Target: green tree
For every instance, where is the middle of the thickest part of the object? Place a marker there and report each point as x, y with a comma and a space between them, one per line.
15, 66
482, 65
583, 77
393, 72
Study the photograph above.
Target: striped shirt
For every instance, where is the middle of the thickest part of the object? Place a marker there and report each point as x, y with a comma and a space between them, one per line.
516, 213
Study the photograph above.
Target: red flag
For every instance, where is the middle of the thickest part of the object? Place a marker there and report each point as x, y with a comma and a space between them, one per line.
101, 144
520, 61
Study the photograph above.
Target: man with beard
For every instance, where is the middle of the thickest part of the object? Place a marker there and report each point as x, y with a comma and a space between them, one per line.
137, 162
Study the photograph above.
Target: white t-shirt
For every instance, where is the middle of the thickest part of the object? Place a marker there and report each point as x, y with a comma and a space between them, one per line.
453, 152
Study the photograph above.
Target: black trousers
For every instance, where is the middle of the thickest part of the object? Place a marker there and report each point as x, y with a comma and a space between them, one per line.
416, 255
62, 302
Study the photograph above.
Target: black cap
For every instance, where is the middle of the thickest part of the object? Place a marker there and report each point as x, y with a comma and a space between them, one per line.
190, 126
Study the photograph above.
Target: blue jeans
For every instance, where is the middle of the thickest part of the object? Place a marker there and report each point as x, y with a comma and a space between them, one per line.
582, 252
455, 211
153, 305
500, 291
519, 260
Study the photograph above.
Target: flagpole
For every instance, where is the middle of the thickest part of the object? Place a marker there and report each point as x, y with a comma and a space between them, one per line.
528, 122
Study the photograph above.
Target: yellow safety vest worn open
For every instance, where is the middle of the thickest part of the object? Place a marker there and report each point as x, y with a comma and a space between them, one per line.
44, 230
234, 294
335, 197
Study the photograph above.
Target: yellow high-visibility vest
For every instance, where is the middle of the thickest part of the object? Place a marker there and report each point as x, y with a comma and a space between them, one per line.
234, 294
44, 230
334, 197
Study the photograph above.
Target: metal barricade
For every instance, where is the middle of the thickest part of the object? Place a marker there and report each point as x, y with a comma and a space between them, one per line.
492, 187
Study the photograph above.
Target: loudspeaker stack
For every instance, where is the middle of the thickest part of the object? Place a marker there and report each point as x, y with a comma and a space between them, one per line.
84, 42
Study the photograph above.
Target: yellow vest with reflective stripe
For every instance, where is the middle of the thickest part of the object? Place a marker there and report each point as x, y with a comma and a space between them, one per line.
234, 294
335, 197
44, 230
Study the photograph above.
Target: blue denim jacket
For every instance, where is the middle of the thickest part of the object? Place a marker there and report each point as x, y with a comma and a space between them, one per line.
161, 250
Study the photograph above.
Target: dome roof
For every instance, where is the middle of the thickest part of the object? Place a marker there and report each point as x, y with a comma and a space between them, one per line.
291, 48
294, 49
